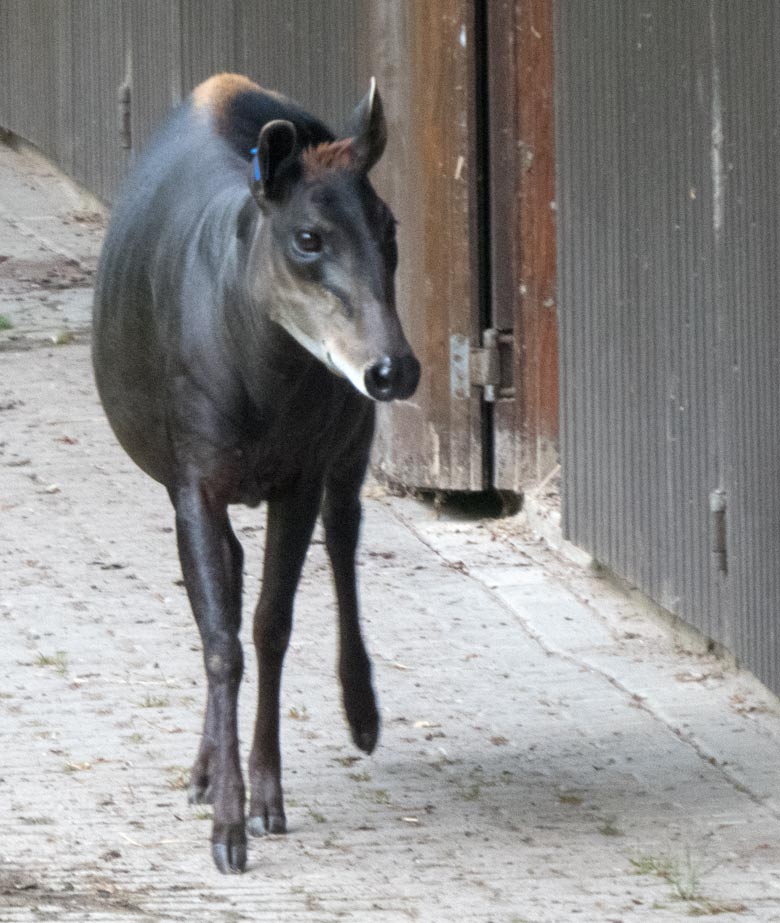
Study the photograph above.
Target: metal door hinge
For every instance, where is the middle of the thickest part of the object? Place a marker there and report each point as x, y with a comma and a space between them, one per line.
718, 516
482, 366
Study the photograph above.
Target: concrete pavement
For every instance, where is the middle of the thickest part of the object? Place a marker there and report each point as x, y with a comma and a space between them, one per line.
551, 751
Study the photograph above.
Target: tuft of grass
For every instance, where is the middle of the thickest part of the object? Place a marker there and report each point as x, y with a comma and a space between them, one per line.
378, 796
359, 776
203, 814
59, 661
471, 793
178, 777
299, 714
5, 323
609, 828
659, 866
707, 908
347, 761
317, 817
155, 701
685, 875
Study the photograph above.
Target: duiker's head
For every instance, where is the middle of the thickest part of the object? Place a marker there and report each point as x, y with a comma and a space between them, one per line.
324, 258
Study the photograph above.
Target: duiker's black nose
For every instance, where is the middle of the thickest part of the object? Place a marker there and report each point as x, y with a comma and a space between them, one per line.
393, 379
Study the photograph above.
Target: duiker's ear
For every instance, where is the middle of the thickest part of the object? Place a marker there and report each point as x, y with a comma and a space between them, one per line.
368, 128
277, 142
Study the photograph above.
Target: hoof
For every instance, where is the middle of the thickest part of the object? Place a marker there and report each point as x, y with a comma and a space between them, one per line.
365, 734
200, 794
263, 825
228, 849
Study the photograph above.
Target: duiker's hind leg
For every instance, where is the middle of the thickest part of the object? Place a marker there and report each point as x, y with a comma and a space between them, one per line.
341, 516
211, 565
290, 524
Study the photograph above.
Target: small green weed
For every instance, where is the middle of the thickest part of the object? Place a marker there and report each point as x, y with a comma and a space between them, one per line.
685, 875
5, 323
59, 661
155, 701
347, 761
609, 828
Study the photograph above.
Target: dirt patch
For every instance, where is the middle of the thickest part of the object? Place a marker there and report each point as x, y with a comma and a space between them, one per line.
52, 272
22, 889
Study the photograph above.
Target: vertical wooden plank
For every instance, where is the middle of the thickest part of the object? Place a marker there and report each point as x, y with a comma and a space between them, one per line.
424, 61
522, 236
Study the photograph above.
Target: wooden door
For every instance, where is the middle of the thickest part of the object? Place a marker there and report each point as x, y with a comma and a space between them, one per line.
423, 55
521, 215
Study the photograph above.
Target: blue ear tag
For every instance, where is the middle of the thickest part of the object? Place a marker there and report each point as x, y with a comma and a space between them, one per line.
256, 164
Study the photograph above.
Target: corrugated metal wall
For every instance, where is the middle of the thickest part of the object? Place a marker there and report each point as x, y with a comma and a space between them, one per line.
668, 141
747, 39
63, 61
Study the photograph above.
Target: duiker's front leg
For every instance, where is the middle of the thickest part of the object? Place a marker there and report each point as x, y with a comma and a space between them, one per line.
200, 789
341, 516
211, 564
290, 524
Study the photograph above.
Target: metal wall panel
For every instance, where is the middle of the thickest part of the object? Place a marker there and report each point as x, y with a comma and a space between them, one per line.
309, 50
208, 40
638, 321
62, 64
28, 49
748, 55
156, 64
668, 137
95, 41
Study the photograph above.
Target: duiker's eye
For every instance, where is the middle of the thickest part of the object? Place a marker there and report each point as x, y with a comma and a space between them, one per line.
308, 241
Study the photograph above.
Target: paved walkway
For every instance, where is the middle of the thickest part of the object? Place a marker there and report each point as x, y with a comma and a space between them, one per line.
549, 752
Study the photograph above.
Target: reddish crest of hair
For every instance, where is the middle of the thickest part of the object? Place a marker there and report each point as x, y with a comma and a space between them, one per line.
332, 155
216, 93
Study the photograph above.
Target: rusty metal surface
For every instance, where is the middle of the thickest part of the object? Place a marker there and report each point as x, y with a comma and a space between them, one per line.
522, 235
668, 151
424, 63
